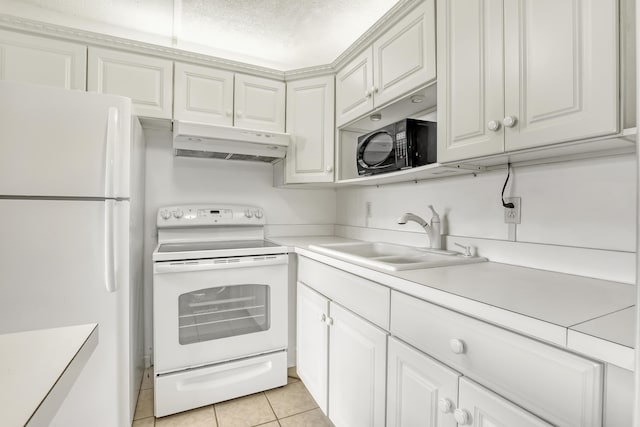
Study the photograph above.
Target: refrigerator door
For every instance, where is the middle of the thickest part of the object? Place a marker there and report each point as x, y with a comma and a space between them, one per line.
52, 259
61, 143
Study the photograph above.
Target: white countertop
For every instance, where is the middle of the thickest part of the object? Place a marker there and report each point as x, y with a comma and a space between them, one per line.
37, 369
549, 306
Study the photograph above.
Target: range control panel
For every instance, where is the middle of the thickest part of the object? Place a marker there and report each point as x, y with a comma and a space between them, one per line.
209, 215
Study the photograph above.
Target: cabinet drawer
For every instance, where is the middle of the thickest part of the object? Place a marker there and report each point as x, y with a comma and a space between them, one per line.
558, 386
359, 295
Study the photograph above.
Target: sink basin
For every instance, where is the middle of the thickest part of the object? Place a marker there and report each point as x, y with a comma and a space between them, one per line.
392, 257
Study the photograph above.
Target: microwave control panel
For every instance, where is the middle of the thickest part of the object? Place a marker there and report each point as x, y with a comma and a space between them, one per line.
401, 145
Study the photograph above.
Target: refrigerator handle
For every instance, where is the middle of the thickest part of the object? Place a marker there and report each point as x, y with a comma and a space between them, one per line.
112, 140
109, 247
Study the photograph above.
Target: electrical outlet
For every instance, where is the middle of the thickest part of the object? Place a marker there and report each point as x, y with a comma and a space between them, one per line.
368, 209
512, 215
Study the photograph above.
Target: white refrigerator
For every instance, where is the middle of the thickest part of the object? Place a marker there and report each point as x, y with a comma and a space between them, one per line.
71, 212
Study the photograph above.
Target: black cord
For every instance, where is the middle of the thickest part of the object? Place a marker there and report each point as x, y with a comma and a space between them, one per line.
507, 205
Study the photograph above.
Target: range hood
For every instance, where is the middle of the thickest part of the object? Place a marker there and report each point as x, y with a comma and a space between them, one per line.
225, 142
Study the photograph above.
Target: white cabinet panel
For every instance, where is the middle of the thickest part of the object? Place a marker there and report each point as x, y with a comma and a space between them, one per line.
521, 74
357, 367
416, 386
313, 342
486, 409
470, 79
517, 367
561, 68
203, 94
353, 88
146, 80
42, 61
400, 61
259, 103
404, 57
310, 104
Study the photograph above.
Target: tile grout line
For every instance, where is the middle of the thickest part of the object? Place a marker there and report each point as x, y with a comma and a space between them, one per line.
271, 406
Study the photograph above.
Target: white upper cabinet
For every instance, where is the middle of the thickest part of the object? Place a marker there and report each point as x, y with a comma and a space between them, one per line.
203, 94
536, 74
310, 123
146, 80
404, 57
561, 71
353, 88
259, 103
399, 61
43, 61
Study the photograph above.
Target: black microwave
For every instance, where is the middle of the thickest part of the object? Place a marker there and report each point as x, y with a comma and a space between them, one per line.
400, 145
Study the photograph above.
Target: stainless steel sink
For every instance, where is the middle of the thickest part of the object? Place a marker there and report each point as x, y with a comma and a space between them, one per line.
392, 257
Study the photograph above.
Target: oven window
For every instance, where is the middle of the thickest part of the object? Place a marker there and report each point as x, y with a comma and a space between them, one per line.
221, 312
378, 147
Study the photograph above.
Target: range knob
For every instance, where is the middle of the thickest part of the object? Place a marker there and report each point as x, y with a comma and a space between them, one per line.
248, 213
177, 214
258, 214
165, 214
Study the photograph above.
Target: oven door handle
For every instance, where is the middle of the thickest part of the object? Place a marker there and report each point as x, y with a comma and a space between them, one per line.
219, 264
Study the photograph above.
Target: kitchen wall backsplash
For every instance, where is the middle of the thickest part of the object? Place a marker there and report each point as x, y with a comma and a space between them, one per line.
578, 217
182, 180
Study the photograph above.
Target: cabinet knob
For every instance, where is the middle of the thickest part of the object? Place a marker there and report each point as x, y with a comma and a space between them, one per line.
462, 417
374, 89
329, 321
509, 121
228, 113
445, 405
323, 318
329, 168
239, 113
457, 346
493, 125
367, 93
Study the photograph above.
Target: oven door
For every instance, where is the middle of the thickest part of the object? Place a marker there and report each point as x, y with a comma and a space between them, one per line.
214, 310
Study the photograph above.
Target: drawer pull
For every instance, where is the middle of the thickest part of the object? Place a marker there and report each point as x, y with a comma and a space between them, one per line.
462, 417
445, 405
457, 346
323, 318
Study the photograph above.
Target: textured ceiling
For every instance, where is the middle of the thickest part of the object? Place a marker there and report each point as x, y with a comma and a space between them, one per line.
282, 34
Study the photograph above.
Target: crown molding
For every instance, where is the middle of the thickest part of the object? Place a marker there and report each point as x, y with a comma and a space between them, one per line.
97, 39
90, 38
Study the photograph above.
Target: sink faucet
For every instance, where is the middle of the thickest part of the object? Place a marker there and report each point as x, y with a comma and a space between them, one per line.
433, 229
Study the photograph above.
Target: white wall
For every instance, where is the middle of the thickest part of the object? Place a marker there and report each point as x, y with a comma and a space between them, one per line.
174, 180
570, 205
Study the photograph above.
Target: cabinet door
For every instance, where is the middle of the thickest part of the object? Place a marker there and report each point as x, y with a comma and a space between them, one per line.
42, 61
470, 79
203, 95
482, 408
404, 58
312, 343
357, 365
416, 386
561, 70
144, 79
354, 84
259, 103
310, 105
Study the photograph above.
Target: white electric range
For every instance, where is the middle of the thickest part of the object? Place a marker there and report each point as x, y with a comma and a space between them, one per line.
220, 306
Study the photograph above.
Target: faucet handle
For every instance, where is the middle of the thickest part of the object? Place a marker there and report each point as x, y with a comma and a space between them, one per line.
467, 249
434, 217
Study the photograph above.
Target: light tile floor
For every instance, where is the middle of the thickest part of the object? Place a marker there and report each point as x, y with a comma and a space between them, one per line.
288, 406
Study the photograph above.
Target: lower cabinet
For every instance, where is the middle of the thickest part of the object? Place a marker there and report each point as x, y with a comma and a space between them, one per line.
426, 365
420, 390
345, 358
480, 407
423, 392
